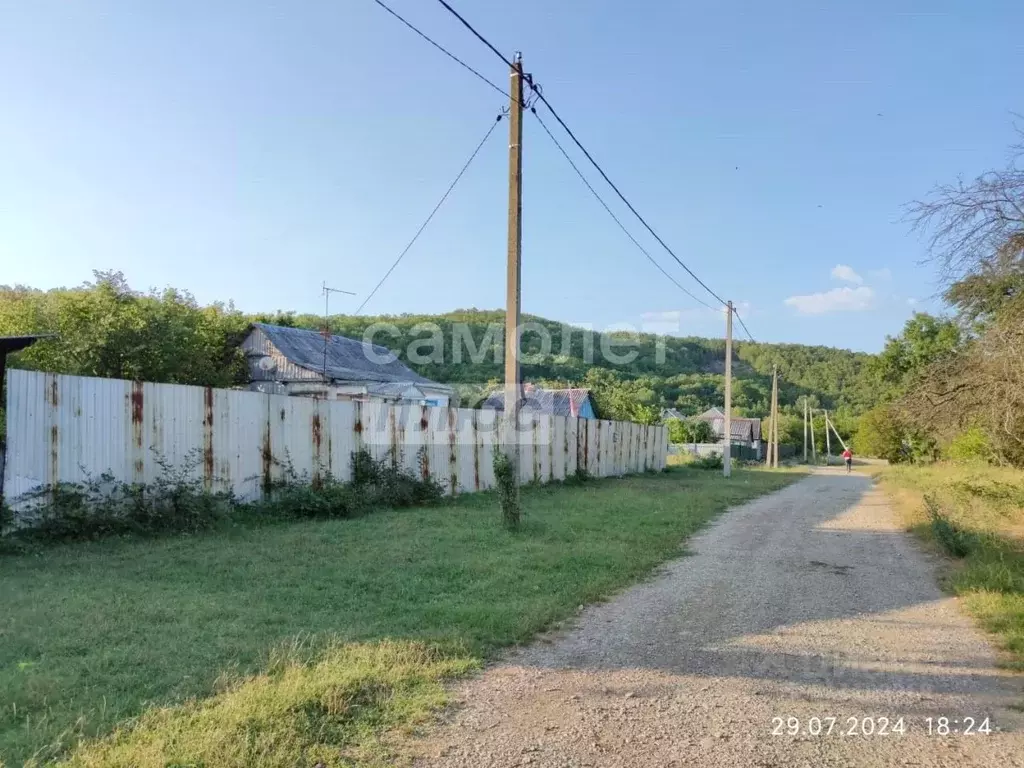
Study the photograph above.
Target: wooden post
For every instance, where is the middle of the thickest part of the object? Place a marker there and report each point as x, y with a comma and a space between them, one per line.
771, 420
830, 423
828, 444
775, 416
727, 448
513, 282
814, 450
805, 429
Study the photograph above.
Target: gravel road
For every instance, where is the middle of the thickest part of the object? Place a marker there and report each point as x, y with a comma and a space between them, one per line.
808, 603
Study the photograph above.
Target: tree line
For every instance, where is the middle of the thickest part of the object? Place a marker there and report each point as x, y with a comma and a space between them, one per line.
106, 328
954, 386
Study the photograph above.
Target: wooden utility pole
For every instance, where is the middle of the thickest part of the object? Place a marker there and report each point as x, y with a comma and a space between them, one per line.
727, 451
814, 450
775, 417
769, 461
513, 282
830, 423
828, 444
805, 429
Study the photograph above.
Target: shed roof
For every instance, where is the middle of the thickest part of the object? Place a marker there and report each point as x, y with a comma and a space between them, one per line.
15, 343
560, 402
347, 359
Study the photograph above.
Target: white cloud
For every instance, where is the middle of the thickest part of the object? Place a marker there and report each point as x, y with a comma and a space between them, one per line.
911, 302
884, 274
846, 274
844, 299
665, 316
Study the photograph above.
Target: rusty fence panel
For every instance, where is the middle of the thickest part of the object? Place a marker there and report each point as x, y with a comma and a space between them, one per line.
67, 429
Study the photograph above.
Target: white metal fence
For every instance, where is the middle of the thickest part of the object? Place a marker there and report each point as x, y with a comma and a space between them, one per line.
697, 449
702, 450
66, 429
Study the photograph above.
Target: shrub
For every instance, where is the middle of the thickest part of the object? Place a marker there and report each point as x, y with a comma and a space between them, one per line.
956, 540
385, 483
690, 431
970, 446
297, 496
176, 501
375, 483
6, 518
713, 461
880, 433
508, 488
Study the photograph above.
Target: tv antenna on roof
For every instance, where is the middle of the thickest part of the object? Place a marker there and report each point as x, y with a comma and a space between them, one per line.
326, 330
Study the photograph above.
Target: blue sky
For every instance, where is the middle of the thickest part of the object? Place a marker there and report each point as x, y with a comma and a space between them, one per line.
250, 150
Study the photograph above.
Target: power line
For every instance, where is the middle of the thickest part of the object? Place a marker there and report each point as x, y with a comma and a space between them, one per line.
442, 49
479, 37
745, 329
431, 216
610, 213
623, 198
540, 95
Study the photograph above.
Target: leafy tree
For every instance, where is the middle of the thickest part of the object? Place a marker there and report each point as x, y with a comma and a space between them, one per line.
980, 296
880, 433
702, 432
690, 431
106, 329
976, 233
970, 446
924, 340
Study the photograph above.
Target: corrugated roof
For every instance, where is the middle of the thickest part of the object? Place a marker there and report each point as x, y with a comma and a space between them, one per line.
560, 402
741, 428
347, 359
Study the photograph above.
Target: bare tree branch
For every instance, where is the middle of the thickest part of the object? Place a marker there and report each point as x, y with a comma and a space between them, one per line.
966, 224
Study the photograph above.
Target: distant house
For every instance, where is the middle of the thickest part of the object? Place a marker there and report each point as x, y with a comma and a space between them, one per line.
671, 413
295, 361
558, 402
744, 431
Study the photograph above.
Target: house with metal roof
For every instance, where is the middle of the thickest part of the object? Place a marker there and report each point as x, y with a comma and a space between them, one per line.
558, 402
297, 361
744, 431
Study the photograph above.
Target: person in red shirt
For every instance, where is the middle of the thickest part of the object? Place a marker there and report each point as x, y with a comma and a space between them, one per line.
848, 458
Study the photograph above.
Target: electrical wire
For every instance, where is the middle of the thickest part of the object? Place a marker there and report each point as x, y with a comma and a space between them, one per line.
610, 213
436, 208
745, 329
444, 50
479, 37
623, 198
540, 95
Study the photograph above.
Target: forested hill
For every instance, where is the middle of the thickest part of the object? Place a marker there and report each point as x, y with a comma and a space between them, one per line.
107, 329
689, 378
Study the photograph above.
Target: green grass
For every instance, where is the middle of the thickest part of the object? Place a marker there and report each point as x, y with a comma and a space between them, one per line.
978, 518
185, 634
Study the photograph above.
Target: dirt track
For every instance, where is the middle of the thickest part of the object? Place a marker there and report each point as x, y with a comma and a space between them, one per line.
808, 603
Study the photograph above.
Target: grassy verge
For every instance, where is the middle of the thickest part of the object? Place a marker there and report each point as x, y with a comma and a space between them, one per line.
185, 634
975, 514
